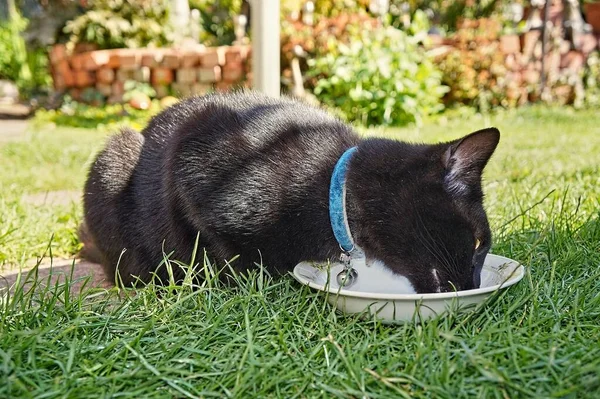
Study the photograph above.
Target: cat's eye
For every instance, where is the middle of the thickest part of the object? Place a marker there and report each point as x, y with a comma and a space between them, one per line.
477, 243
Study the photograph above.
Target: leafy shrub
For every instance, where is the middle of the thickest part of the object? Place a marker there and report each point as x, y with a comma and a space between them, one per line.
331, 8
475, 69
382, 77
447, 13
318, 40
110, 117
122, 24
27, 68
217, 20
591, 80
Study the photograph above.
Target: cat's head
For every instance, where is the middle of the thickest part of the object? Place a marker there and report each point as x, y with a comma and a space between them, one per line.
418, 208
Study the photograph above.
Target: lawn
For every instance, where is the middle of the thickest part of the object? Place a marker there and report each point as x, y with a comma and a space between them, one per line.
540, 338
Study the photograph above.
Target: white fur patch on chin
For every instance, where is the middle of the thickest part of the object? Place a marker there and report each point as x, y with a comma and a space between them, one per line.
382, 279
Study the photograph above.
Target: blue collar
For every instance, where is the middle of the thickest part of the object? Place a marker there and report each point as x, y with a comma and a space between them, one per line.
337, 202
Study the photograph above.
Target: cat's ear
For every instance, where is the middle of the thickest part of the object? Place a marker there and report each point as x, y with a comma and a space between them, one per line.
464, 159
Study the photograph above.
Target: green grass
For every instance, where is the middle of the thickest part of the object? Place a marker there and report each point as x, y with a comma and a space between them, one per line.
541, 338
43, 161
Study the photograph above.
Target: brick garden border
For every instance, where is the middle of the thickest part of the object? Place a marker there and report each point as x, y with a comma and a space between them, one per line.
183, 72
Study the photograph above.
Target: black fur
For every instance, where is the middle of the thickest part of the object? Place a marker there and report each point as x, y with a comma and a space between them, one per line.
251, 175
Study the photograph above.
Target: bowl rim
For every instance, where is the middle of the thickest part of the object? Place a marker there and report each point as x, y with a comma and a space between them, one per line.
517, 275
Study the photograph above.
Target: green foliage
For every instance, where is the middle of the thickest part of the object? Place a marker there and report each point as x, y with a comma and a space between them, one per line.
122, 24
332, 8
319, 39
10, 52
27, 68
591, 80
76, 114
217, 20
133, 88
475, 69
382, 77
447, 13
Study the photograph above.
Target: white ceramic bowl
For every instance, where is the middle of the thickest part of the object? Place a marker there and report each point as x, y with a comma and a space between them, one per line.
373, 298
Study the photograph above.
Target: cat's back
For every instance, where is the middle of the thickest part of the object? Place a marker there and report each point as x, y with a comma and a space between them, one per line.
250, 117
204, 139
247, 156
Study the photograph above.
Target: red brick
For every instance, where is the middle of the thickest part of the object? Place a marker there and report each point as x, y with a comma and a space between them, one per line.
105, 89
171, 61
190, 59
232, 72
84, 78
69, 79
161, 76
63, 68
77, 61
510, 44
152, 58
233, 55
209, 75
113, 59
213, 57
236, 54
57, 53
95, 59
130, 59
105, 75
186, 75
223, 86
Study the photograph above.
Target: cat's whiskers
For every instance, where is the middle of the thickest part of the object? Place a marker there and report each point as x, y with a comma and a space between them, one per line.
434, 248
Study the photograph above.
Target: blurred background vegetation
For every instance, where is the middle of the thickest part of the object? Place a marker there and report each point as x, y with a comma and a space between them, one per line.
369, 68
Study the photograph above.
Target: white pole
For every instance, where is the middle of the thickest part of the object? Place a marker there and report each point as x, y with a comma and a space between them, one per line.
265, 46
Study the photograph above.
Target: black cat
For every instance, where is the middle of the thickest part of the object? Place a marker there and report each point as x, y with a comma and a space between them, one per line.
251, 175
